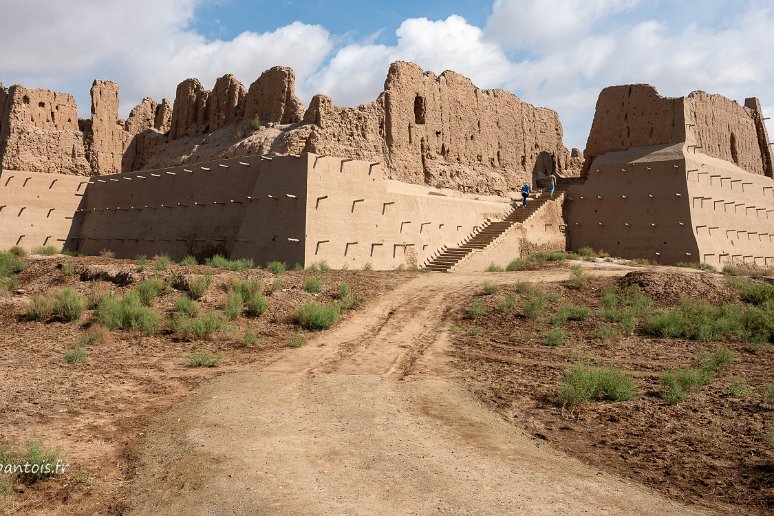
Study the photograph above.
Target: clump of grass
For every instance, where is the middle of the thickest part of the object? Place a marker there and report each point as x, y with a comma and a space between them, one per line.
296, 341
220, 262
770, 436
494, 268
557, 256
313, 285
40, 308
347, 300
753, 292
368, 266
570, 312
201, 327
554, 338
10, 264
107, 253
679, 383
276, 267
127, 313
18, 251
149, 289
46, 250
454, 329
491, 288
204, 358
68, 305
234, 305
697, 265
186, 306
768, 393
474, 331
75, 355
317, 316
577, 279
605, 333
508, 303
587, 253
476, 309
249, 338
198, 286
585, 383
535, 304
142, 262
738, 270
95, 336
161, 262
738, 387
321, 266
531, 262
43, 462
68, 269
247, 297
189, 260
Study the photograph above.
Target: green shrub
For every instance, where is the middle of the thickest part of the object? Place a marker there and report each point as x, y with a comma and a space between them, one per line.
75, 355
697, 265
554, 337
96, 335
218, 261
249, 338
508, 303
10, 264
344, 291
255, 123
186, 306
738, 387
204, 358
142, 262
46, 250
127, 313
734, 270
491, 288
234, 305
68, 305
494, 268
753, 292
149, 289
43, 462
476, 309
557, 256
586, 252
535, 305
770, 435
313, 285
189, 260
367, 266
276, 267
605, 333
582, 383
768, 393
577, 279
531, 262
570, 312
251, 296
679, 383
161, 262
321, 266
198, 286
70, 252
201, 327
316, 316
18, 251
8, 284
296, 341
40, 308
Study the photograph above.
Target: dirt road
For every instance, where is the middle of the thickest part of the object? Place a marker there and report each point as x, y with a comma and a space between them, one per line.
367, 419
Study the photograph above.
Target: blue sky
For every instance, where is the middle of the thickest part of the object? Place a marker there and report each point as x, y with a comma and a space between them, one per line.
552, 53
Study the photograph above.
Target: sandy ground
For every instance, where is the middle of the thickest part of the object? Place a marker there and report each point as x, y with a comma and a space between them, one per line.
368, 419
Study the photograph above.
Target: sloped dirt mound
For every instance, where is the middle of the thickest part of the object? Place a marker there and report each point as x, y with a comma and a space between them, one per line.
669, 287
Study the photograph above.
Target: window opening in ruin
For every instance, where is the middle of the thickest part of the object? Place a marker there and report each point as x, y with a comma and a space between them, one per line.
419, 110
26, 99
734, 149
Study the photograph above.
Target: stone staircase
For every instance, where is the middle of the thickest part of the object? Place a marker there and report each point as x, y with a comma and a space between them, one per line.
491, 231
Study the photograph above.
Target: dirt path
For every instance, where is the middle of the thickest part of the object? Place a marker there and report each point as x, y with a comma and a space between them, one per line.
367, 419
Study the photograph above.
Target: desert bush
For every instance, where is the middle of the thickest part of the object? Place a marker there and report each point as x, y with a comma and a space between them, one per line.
189, 260
161, 262
316, 316
343, 290
42, 462
491, 288
276, 267
201, 327
557, 256
68, 268
249, 338
586, 252
530, 262
107, 253
368, 266
577, 278
18, 251
738, 387
220, 262
46, 250
508, 303
494, 268
8, 284
554, 337
68, 305
204, 358
570, 312
605, 333
127, 313
753, 292
142, 262
770, 435
250, 295
296, 341
697, 265
584, 383
149, 289
474, 331
186, 306
738, 270
198, 286
679, 383
10, 264
234, 305
321, 266
476, 309
40, 308
75, 355
535, 304
95, 336
313, 285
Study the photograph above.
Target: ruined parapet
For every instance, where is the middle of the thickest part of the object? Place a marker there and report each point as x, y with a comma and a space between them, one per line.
226, 102
163, 119
39, 132
106, 141
189, 112
754, 105
272, 97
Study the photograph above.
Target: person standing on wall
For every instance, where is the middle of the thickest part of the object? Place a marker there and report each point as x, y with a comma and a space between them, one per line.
551, 184
524, 195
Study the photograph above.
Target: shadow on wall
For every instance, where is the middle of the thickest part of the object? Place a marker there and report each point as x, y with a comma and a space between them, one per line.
544, 165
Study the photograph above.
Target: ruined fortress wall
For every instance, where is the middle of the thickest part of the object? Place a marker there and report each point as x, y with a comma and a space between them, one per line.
198, 210
37, 209
635, 204
356, 216
732, 212
443, 131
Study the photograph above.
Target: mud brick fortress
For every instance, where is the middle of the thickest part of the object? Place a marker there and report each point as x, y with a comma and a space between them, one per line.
423, 176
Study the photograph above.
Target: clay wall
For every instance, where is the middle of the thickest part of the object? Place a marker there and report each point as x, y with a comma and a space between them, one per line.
356, 216
37, 209
220, 207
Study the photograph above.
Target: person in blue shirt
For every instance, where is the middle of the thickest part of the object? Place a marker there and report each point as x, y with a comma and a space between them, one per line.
524, 195
551, 184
